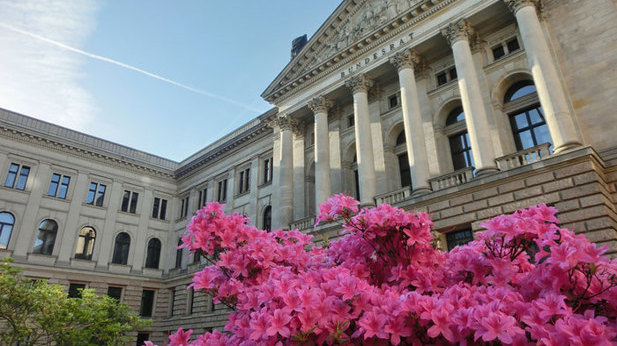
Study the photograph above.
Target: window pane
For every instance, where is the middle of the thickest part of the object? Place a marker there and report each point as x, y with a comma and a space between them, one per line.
6, 228
498, 52
91, 193
147, 300
134, 198
526, 90
53, 186
23, 178
163, 213
459, 238
535, 116
455, 116
121, 249
75, 290
442, 78
155, 207
11, 176
513, 45
46, 237
125, 200
153, 255
542, 135
453, 74
526, 140
100, 195
64, 187
521, 121
404, 170
114, 292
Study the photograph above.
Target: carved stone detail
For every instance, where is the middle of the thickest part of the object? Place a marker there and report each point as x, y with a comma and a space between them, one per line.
407, 59
460, 30
359, 83
285, 122
320, 104
515, 5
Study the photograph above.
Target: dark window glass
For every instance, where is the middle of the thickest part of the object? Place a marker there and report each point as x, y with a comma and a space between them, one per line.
184, 208
529, 128
46, 237
453, 74
350, 121
196, 257
53, 186
154, 253
147, 303
455, 116
442, 78
142, 338
7, 221
267, 170
513, 45
179, 254
222, 190
23, 178
100, 196
163, 213
203, 197
172, 301
125, 200
115, 292
498, 52
403, 164
400, 139
191, 300
134, 198
247, 179
121, 249
85, 243
268, 218
12, 175
155, 207
460, 149
75, 290
457, 238
393, 101
357, 183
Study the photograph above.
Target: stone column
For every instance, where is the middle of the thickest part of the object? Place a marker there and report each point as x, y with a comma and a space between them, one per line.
559, 119
459, 34
283, 212
406, 62
323, 185
300, 197
364, 143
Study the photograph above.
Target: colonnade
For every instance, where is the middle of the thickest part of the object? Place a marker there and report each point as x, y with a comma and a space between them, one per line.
461, 37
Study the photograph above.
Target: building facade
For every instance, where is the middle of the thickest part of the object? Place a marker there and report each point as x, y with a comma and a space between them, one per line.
465, 109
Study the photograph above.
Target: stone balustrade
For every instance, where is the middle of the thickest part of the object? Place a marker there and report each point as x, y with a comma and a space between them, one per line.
455, 178
524, 157
303, 224
393, 197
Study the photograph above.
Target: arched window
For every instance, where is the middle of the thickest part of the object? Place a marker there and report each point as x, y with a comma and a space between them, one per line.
460, 146
403, 160
268, 218
7, 221
46, 237
121, 249
85, 243
179, 254
154, 253
526, 116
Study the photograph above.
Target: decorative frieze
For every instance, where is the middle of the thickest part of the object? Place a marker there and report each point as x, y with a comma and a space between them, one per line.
359, 83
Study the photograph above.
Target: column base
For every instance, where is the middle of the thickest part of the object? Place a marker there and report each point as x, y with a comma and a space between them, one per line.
566, 147
486, 171
421, 191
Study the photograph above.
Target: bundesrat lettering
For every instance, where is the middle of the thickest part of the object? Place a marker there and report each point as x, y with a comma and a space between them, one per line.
377, 55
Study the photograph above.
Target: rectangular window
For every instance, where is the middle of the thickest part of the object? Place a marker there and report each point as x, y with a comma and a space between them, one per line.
129, 201
513, 45
115, 292
142, 338
498, 52
184, 207
244, 180
268, 165
159, 208
453, 74
147, 303
59, 185
351, 121
96, 194
172, 301
191, 301
442, 78
457, 238
393, 101
17, 176
222, 191
75, 290
203, 197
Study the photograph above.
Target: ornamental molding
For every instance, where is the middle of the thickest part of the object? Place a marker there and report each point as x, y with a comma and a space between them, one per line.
408, 58
460, 30
320, 105
515, 5
315, 62
359, 83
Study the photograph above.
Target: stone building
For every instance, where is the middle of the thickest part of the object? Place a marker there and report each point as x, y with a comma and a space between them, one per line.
462, 108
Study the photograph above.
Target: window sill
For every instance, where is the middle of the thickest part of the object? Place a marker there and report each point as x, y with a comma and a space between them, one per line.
159, 220
245, 193
127, 213
94, 206
451, 84
504, 59
267, 183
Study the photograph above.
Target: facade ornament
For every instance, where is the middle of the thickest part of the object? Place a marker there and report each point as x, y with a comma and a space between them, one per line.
515, 5
460, 30
320, 104
359, 83
285, 122
407, 59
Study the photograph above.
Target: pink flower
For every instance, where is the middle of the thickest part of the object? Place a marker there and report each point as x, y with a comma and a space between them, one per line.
373, 325
498, 326
278, 323
180, 337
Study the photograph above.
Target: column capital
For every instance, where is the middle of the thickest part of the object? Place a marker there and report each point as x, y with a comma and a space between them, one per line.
515, 5
459, 30
284, 122
359, 83
320, 104
407, 59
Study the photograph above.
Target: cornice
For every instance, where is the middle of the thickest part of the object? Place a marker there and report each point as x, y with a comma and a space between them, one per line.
83, 152
281, 89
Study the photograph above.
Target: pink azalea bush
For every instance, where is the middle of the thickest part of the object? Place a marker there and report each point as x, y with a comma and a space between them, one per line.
522, 281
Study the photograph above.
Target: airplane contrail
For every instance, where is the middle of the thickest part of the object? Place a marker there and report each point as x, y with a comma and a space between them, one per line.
129, 67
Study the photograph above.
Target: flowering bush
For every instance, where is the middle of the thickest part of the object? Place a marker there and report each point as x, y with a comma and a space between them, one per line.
522, 281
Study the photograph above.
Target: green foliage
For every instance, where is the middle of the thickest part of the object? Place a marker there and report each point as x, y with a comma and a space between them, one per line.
33, 312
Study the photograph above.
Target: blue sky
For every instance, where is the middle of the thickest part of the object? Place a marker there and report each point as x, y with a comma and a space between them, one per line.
73, 63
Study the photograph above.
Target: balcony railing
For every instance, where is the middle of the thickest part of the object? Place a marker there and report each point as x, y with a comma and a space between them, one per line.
303, 224
524, 157
458, 177
394, 196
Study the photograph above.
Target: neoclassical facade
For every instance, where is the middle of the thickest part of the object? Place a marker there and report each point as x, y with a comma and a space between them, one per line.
465, 109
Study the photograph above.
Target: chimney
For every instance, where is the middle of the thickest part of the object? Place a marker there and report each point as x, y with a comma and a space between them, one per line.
297, 44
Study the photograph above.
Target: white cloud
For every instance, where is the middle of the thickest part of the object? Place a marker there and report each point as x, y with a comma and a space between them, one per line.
39, 79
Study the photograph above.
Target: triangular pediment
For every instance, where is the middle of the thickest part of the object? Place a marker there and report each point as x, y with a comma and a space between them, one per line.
354, 25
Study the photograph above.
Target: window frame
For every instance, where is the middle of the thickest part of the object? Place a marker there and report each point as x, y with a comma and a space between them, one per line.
83, 255
268, 170
150, 307
121, 258
130, 200
244, 180
159, 208
458, 241
73, 289
184, 207
3, 226
60, 188
98, 196
121, 288
49, 241
153, 253
19, 180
